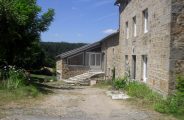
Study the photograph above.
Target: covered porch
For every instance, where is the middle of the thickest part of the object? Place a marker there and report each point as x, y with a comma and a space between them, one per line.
81, 60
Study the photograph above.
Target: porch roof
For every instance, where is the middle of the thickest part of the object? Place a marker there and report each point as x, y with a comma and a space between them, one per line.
84, 48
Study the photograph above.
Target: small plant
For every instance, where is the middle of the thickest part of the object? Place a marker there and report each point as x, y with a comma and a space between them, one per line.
180, 91
142, 91
14, 78
174, 103
120, 83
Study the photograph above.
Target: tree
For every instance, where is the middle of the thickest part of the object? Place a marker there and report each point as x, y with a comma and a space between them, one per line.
20, 28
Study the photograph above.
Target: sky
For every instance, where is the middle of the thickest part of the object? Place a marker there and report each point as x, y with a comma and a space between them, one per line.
80, 21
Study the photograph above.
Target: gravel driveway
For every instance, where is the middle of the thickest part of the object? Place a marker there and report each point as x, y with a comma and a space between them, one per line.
84, 103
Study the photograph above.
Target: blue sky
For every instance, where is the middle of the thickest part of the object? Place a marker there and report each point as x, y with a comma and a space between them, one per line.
84, 21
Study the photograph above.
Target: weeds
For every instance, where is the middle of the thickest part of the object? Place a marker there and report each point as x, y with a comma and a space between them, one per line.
103, 84
175, 103
15, 85
120, 83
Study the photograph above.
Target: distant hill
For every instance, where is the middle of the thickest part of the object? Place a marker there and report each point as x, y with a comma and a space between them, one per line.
52, 49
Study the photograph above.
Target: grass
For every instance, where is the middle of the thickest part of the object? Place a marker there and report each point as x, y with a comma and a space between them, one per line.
143, 96
42, 78
104, 84
17, 87
22, 93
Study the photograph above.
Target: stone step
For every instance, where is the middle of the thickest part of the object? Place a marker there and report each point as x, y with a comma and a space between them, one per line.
82, 79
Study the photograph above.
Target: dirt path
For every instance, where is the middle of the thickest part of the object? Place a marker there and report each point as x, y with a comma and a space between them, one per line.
80, 104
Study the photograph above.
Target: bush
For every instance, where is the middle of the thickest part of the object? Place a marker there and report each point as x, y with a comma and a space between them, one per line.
13, 78
170, 105
174, 103
120, 83
180, 91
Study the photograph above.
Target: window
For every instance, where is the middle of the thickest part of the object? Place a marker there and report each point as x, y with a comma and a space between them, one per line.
134, 26
76, 59
126, 59
127, 31
127, 69
145, 14
144, 67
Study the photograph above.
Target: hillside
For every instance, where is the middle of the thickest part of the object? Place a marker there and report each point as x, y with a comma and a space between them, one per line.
52, 49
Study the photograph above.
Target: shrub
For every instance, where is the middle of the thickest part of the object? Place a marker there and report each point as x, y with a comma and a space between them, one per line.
180, 91
120, 83
174, 103
15, 78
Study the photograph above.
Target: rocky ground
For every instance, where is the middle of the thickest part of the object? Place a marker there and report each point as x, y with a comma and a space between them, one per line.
79, 103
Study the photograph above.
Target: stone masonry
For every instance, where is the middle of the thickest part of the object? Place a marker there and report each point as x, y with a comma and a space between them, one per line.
65, 71
163, 44
110, 48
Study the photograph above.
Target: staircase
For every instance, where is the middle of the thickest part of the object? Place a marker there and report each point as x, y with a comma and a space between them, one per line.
83, 79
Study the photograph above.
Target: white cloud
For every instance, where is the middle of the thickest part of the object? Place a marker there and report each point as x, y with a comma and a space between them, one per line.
109, 31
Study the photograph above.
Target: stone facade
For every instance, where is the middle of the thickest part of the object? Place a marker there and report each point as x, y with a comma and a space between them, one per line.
177, 41
163, 44
65, 71
110, 50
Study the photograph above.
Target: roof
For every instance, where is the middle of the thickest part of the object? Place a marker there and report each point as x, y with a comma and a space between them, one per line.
86, 47
77, 50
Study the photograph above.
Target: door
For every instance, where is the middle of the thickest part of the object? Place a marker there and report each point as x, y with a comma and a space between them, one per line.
134, 67
95, 60
145, 61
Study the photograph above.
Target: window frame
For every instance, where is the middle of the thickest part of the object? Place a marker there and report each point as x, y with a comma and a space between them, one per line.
145, 20
127, 30
134, 26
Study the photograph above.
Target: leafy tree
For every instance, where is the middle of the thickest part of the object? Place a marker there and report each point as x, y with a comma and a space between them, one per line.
20, 28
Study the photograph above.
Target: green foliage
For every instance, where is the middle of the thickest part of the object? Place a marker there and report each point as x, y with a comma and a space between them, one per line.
52, 49
120, 83
180, 91
21, 93
174, 103
20, 27
140, 90
169, 105
15, 78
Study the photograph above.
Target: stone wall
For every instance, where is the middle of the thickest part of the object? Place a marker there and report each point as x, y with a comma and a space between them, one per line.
177, 41
65, 71
59, 66
155, 43
110, 48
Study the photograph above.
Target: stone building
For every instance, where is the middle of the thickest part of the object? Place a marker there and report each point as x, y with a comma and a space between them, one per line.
149, 46
152, 41
98, 56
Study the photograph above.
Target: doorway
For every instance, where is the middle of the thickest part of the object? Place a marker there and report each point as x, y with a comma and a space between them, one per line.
134, 67
95, 60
